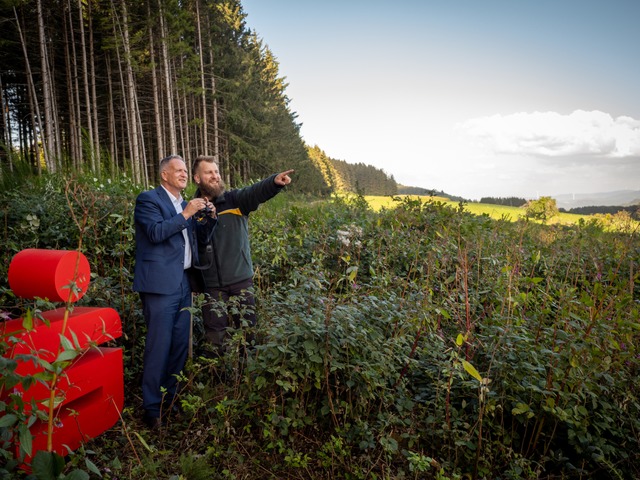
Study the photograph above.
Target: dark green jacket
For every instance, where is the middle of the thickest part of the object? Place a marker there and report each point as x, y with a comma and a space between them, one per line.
231, 253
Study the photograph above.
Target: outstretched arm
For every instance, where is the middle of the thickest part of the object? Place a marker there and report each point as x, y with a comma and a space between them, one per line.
249, 198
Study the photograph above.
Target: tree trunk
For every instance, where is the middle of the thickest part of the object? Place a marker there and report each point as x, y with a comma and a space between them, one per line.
204, 142
111, 121
6, 130
85, 81
143, 152
73, 100
94, 96
164, 50
214, 110
123, 120
47, 139
131, 96
156, 97
33, 102
183, 117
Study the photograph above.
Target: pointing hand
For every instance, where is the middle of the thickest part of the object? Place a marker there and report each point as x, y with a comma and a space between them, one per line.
283, 178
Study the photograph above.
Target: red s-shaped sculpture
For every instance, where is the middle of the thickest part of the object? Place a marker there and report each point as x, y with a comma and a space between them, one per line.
90, 391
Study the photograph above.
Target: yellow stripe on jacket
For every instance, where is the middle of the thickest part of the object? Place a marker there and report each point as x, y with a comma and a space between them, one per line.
232, 211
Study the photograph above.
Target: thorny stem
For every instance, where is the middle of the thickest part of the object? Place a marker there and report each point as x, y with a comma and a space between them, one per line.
327, 320
126, 432
54, 381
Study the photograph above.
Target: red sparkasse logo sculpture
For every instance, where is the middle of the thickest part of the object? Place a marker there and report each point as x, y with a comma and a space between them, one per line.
89, 392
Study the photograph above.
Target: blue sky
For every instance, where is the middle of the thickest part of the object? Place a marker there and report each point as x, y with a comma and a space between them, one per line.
476, 98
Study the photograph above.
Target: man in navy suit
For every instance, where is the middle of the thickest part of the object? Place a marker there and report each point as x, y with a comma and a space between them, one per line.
164, 255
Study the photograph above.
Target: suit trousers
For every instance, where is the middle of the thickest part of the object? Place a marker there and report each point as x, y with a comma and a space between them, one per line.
167, 345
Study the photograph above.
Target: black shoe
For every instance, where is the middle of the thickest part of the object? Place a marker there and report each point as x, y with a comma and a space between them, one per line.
210, 354
170, 404
173, 408
153, 423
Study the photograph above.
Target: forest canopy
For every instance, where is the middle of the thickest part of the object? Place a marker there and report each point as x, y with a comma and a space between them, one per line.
111, 87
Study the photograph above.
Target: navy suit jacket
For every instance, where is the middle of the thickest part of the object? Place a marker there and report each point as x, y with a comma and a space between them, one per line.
159, 243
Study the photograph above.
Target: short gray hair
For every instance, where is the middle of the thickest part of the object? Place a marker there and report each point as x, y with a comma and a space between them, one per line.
165, 161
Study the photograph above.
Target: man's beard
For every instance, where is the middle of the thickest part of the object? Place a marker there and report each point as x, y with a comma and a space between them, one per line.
212, 192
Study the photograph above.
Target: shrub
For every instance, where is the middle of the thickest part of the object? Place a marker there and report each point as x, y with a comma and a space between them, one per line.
416, 342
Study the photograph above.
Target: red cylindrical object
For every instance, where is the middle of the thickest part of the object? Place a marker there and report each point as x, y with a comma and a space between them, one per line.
49, 274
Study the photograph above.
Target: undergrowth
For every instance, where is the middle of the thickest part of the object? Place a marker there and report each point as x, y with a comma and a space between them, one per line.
416, 342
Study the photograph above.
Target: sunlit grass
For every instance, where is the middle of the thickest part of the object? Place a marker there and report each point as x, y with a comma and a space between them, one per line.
494, 211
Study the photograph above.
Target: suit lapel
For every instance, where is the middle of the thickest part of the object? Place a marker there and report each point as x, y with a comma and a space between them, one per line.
166, 201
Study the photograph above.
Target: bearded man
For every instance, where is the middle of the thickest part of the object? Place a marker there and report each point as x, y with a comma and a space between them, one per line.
225, 254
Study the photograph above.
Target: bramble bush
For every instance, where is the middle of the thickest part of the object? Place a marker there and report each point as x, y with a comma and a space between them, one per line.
415, 342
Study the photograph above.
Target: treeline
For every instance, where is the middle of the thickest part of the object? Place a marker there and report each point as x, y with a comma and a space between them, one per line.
406, 190
507, 201
634, 210
355, 178
110, 87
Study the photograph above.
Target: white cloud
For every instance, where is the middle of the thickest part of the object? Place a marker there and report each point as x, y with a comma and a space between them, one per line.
550, 134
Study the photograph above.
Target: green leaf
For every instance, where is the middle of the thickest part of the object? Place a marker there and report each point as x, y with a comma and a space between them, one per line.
27, 321
47, 465
65, 342
471, 370
315, 358
66, 356
92, 467
144, 442
45, 365
57, 400
78, 475
43, 377
76, 344
390, 444
27, 382
352, 272
521, 408
8, 420
26, 439
460, 340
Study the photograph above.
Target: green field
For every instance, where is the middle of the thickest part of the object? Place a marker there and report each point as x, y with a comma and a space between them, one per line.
494, 211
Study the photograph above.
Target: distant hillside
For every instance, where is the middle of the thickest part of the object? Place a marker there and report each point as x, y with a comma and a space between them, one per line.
341, 176
507, 201
623, 198
406, 190
633, 210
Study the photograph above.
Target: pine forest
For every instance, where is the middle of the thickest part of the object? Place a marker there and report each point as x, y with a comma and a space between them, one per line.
111, 87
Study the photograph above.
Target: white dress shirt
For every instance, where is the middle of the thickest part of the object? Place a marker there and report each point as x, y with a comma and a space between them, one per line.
177, 203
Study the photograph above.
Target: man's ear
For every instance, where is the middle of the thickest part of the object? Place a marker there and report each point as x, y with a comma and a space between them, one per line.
196, 178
